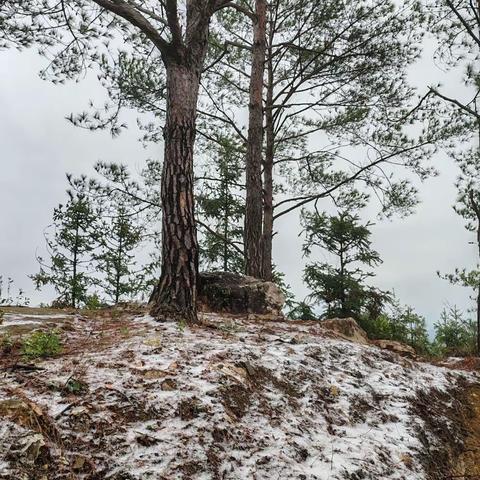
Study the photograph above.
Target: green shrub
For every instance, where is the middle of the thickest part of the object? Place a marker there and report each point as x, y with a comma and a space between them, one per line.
75, 386
93, 302
302, 311
181, 325
6, 343
455, 333
42, 344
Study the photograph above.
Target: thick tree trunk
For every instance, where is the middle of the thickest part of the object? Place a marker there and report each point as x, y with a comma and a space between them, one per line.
75, 265
267, 241
477, 212
253, 208
478, 321
176, 293
226, 219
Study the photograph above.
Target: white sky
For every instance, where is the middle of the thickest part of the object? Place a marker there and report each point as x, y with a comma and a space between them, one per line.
38, 146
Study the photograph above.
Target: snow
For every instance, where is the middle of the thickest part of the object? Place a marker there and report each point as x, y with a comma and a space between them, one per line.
238, 400
10, 319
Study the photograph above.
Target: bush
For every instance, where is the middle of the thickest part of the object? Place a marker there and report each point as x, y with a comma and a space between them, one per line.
6, 343
93, 302
455, 334
75, 387
401, 324
302, 311
42, 344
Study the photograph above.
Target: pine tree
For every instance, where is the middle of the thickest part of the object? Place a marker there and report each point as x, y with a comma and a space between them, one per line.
121, 278
84, 34
126, 259
253, 233
70, 246
468, 207
339, 285
336, 103
334, 92
457, 26
417, 335
221, 210
454, 333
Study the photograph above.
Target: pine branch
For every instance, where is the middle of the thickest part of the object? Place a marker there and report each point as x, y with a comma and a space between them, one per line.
133, 15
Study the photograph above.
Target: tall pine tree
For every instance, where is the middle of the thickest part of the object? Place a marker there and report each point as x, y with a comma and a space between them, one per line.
340, 284
70, 243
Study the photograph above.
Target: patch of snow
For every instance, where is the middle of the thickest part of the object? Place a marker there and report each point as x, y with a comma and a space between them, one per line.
10, 319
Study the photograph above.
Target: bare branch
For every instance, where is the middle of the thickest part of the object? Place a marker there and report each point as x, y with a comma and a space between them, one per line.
221, 4
452, 7
460, 105
132, 15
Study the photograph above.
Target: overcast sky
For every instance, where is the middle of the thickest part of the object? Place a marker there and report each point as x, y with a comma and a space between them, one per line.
38, 146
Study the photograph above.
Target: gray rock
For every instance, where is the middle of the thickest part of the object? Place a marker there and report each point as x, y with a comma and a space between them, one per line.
234, 293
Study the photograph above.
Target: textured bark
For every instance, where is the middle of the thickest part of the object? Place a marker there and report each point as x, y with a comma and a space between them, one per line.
253, 207
477, 212
175, 294
267, 265
478, 321
476, 209
183, 56
75, 264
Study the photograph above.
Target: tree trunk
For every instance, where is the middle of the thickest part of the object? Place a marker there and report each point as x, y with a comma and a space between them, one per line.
478, 321
176, 293
226, 218
267, 265
75, 265
477, 212
253, 207
118, 269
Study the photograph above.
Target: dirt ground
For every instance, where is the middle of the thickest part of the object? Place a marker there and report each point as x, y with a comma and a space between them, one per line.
130, 399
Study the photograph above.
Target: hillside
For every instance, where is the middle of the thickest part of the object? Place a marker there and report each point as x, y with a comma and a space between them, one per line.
131, 398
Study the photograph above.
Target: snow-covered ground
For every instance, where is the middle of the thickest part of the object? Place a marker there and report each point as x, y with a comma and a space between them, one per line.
131, 398
10, 319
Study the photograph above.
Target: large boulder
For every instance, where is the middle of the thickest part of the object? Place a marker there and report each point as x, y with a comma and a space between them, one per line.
347, 328
233, 293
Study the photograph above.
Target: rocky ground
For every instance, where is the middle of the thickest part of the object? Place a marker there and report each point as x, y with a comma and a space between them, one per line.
237, 398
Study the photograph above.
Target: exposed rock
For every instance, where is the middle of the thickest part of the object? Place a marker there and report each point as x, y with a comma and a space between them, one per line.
398, 347
238, 294
347, 328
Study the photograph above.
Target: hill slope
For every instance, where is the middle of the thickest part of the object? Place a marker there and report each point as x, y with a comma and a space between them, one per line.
130, 398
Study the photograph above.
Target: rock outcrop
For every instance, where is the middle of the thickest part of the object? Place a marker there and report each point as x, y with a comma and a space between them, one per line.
347, 328
400, 348
224, 292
